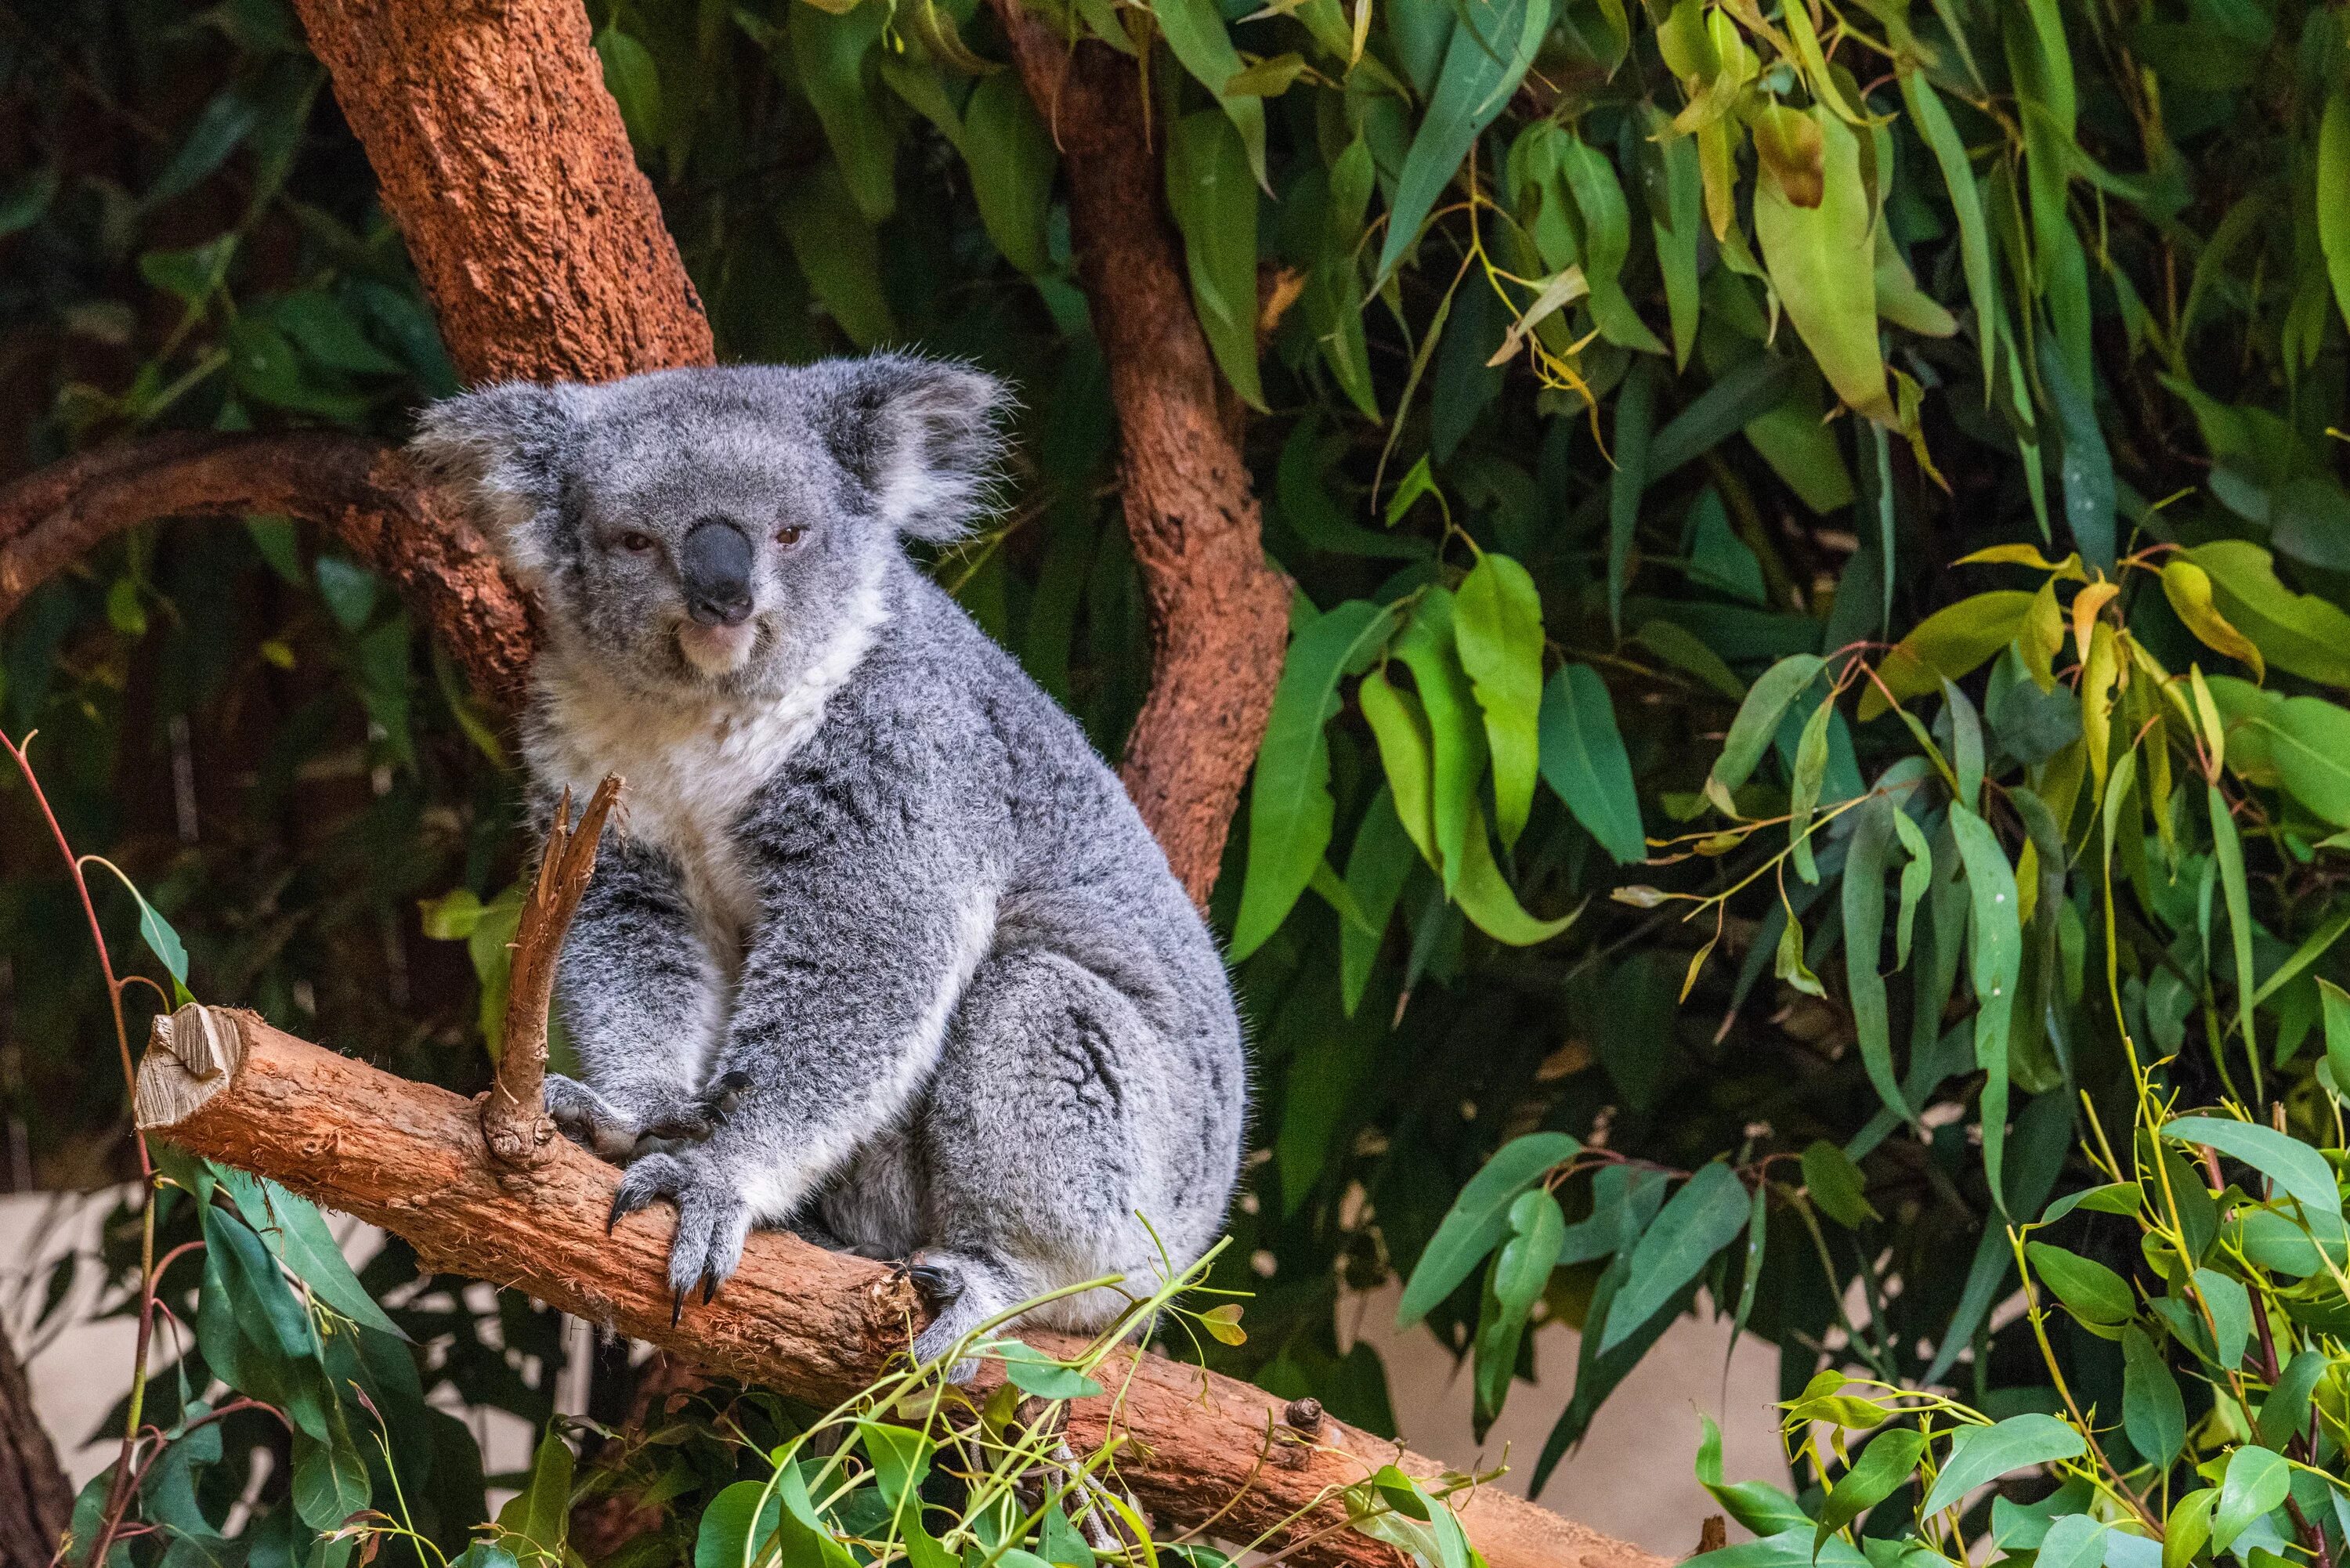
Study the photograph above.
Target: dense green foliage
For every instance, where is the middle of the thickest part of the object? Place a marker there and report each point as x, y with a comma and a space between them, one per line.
1624, 377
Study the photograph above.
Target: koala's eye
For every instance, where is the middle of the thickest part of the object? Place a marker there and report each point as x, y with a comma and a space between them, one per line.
789, 534
636, 543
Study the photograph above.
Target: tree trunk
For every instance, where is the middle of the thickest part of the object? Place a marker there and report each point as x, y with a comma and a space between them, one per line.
814, 1326
505, 163
36, 1501
1219, 613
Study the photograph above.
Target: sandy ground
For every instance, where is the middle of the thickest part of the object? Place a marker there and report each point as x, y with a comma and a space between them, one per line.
1631, 1477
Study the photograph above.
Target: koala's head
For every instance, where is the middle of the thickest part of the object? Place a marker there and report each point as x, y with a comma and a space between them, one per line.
713, 530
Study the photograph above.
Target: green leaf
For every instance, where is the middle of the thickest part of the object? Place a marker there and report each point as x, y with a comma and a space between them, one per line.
1376, 868
1979, 1454
1036, 1373
2189, 1527
161, 939
1735, 400
2309, 740
2113, 1197
1584, 764
1947, 646
1606, 243
1290, 808
1995, 950
1889, 1461
541, 1512
1633, 406
1822, 261
1758, 720
1492, 43
1916, 877
2297, 1169
2092, 1291
2257, 1482
1675, 221
2228, 854
1932, 122
1755, 1505
1213, 198
296, 1234
1498, 626
2284, 1414
1010, 155
837, 249
1487, 899
1810, 772
2085, 473
1194, 30
829, 48
737, 1525
1428, 648
1537, 1234
2299, 633
2337, 1032
2232, 1313
330, 1479
634, 82
1479, 1218
1864, 935
1838, 1185
2334, 195
2154, 1416
1706, 1215
901, 1459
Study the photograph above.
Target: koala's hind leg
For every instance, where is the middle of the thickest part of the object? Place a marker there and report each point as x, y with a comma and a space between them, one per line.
1035, 1146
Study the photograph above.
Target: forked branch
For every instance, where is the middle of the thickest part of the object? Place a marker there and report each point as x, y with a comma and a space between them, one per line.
514, 1123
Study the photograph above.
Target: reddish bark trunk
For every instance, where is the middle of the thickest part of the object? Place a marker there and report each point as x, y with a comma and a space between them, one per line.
1219, 613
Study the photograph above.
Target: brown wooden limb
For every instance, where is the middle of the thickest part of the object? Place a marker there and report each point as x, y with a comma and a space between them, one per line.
814, 1326
35, 1501
1219, 613
507, 166
363, 492
514, 1123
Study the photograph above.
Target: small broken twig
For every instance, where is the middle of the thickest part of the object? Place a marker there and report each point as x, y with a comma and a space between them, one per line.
514, 1123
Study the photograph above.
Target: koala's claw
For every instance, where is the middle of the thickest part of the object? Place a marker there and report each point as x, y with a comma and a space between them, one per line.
588, 1119
937, 1285
713, 1220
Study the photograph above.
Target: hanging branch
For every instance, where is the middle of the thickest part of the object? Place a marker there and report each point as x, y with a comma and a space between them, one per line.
514, 1123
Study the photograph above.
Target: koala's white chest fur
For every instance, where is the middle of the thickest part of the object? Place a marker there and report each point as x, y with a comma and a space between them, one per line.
691, 768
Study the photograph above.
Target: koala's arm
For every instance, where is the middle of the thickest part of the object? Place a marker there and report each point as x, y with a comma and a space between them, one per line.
641, 997
875, 915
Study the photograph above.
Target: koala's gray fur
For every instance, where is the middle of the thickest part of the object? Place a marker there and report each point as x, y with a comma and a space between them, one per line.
881, 951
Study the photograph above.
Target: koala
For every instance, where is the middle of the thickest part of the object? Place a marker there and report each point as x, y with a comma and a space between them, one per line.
880, 950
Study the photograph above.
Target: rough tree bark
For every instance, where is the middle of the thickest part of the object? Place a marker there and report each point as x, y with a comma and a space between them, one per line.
814, 1325
362, 493
36, 1501
505, 165
1219, 613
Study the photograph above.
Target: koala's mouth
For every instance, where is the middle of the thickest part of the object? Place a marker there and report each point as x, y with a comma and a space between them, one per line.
714, 650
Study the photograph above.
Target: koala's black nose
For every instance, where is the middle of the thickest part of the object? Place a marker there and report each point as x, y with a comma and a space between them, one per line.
716, 567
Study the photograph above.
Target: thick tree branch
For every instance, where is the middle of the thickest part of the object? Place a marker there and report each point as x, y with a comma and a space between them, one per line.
811, 1324
363, 494
1219, 613
505, 165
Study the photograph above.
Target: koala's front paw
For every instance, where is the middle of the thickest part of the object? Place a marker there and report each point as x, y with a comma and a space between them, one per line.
712, 1220
692, 1119
590, 1120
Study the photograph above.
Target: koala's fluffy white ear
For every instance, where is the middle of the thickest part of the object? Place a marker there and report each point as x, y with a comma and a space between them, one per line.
504, 446
922, 434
